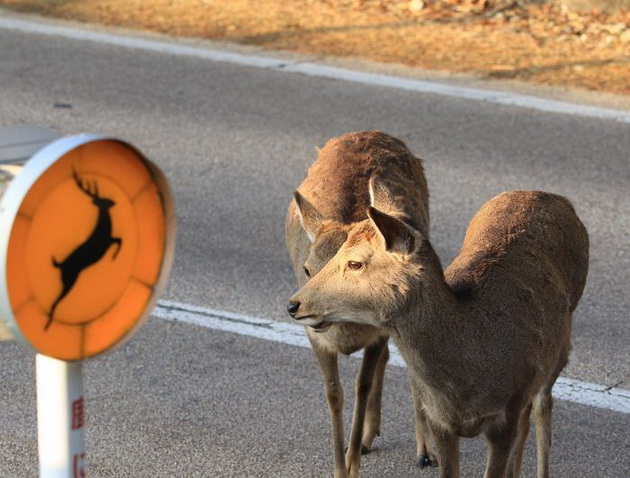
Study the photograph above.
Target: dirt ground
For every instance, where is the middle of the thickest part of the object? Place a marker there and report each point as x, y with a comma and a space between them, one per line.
483, 38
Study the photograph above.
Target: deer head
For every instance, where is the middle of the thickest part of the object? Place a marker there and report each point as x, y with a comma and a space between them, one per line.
90, 188
368, 278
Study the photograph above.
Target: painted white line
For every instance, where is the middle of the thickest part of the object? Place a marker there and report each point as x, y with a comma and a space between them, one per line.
584, 393
230, 322
134, 43
593, 395
313, 69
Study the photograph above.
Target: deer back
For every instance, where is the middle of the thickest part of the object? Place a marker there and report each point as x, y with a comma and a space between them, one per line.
522, 270
531, 234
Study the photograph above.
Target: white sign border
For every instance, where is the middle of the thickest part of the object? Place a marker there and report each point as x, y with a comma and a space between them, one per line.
17, 190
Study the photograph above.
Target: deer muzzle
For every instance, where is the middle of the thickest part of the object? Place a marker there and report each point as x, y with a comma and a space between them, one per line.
293, 308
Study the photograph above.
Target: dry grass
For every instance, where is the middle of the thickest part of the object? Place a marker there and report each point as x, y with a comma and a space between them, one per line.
489, 38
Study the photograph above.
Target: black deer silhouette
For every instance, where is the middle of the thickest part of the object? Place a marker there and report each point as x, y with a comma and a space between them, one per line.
92, 249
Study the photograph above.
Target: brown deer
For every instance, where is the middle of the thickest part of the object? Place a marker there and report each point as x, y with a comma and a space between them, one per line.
330, 205
92, 249
484, 340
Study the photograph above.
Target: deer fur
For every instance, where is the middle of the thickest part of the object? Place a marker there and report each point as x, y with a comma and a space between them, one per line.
484, 340
327, 208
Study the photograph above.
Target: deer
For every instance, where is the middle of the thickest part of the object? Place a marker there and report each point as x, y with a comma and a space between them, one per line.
89, 251
327, 208
485, 339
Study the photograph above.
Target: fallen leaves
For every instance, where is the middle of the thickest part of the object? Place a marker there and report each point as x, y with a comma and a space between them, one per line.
487, 38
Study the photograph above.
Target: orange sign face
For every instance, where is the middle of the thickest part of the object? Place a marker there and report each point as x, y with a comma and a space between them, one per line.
88, 251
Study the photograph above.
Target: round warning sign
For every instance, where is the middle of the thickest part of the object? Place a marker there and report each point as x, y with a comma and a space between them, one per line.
86, 242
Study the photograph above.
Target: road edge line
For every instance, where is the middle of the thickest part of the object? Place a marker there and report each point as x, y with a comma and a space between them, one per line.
44, 27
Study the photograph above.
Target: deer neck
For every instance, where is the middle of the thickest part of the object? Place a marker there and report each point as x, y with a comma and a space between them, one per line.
430, 332
104, 221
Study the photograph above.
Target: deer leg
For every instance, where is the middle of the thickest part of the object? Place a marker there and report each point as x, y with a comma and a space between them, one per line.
68, 281
118, 242
425, 455
372, 427
516, 457
447, 446
363, 386
501, 439
543, 404
334, 397
51, 314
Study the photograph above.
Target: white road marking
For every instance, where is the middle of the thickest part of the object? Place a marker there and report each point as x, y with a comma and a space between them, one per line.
584, 393
312, 69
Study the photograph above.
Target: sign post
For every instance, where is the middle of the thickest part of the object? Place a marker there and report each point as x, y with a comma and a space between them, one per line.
60, 409
86, 244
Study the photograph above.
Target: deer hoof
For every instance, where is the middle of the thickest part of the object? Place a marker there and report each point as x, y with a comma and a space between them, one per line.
364, 449
424, 461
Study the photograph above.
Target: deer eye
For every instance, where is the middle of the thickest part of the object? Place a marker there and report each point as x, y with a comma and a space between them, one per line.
354, 265
307, 272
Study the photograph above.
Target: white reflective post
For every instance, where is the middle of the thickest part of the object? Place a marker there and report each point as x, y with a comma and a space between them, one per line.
60, 413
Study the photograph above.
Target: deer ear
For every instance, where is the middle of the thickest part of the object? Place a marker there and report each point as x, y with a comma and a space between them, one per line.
310, 217
397, 236
380, 196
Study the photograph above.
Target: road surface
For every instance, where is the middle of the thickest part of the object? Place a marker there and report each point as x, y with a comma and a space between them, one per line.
190, 397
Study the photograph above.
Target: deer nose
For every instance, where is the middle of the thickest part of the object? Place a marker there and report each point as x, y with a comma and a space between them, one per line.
293, 307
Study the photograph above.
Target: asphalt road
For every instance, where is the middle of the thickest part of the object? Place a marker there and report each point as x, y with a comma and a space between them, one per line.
234, 141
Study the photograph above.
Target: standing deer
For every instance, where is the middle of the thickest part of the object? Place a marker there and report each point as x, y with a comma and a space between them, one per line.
331, 205
484, 340
92, 249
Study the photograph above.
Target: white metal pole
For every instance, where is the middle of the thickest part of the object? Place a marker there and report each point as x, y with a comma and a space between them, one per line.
60, 418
